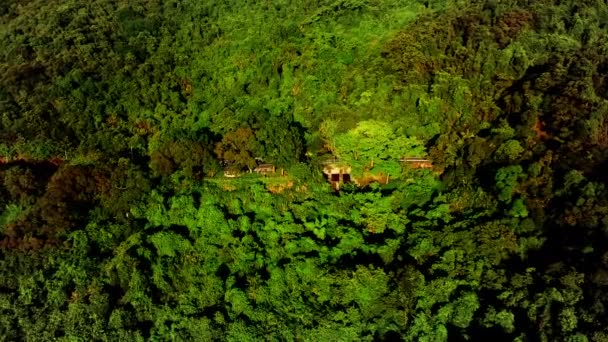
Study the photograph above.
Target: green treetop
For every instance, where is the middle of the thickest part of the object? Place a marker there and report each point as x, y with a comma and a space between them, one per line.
375, 145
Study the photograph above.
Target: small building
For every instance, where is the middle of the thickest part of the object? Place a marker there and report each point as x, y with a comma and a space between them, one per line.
337, 174
231, 173
417, 163
265, 169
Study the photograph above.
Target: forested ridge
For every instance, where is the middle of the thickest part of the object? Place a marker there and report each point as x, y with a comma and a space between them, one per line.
120, 119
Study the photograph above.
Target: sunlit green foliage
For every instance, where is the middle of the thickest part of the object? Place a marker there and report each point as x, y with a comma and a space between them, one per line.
117, 117
374, 146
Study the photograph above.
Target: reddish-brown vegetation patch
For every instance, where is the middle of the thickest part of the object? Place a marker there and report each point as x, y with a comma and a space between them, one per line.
279, 188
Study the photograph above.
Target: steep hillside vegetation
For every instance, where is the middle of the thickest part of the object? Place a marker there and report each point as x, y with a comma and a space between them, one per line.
119, 118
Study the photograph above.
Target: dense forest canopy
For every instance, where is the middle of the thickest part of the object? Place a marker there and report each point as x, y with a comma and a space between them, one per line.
121, 120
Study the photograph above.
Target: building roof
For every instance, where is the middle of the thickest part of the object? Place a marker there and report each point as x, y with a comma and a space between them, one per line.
265, 167
415, 159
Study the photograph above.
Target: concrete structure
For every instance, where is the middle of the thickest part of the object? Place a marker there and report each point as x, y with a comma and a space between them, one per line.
337, 174
265, 169
231, 174
418, 163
